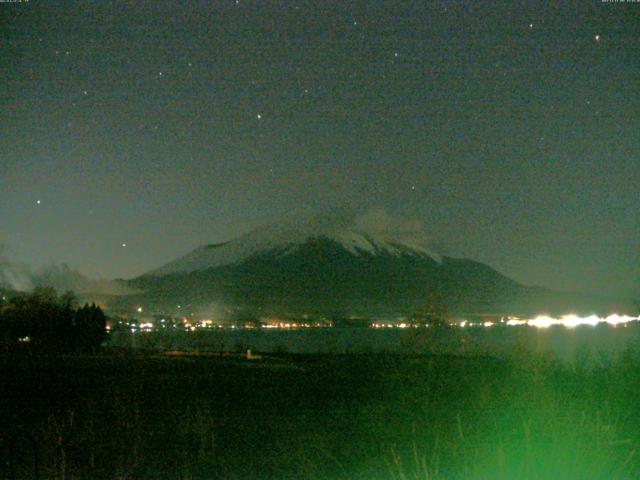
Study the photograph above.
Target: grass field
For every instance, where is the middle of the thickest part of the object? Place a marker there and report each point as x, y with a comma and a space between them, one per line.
377, 416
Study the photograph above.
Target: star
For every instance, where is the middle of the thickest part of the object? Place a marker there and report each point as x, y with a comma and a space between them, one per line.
259, 116
531, 25
597, 38
38, 202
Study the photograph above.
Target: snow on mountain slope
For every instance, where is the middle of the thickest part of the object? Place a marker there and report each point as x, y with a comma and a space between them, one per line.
371, 233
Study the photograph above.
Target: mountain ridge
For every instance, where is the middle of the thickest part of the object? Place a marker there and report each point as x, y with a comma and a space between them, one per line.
345, 265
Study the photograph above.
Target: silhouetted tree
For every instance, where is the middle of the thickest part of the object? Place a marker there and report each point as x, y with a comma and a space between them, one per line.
50, 322
90, 325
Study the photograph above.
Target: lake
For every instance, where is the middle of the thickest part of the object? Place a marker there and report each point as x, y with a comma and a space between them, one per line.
564, 342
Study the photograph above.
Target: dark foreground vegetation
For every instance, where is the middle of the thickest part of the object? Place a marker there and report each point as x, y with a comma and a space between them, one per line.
121, 415
44, 321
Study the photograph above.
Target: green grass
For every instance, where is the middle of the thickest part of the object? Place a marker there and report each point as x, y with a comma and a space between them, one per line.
523, 416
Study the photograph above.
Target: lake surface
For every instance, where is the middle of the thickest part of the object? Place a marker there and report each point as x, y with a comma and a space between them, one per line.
566, 343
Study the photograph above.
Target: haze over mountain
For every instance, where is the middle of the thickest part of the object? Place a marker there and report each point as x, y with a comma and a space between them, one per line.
21, 277
341, 263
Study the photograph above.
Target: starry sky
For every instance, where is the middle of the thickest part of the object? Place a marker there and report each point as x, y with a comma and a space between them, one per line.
134, 131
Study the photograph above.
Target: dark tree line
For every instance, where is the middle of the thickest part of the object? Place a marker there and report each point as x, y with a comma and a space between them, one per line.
44, 320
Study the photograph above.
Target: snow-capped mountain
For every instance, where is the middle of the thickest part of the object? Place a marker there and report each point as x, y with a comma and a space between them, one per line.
344, 264
373, 233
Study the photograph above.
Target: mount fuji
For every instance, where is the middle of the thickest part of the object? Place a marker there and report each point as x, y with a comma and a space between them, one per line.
343, 264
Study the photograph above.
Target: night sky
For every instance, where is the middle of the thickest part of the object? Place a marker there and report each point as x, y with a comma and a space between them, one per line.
132, 132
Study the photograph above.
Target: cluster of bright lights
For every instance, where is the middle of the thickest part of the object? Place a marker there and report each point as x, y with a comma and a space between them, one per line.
395, 325
146, 327
541, 321
293, 325
572, 321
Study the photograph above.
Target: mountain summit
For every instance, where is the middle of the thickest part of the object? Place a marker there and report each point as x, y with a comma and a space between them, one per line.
373, 233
